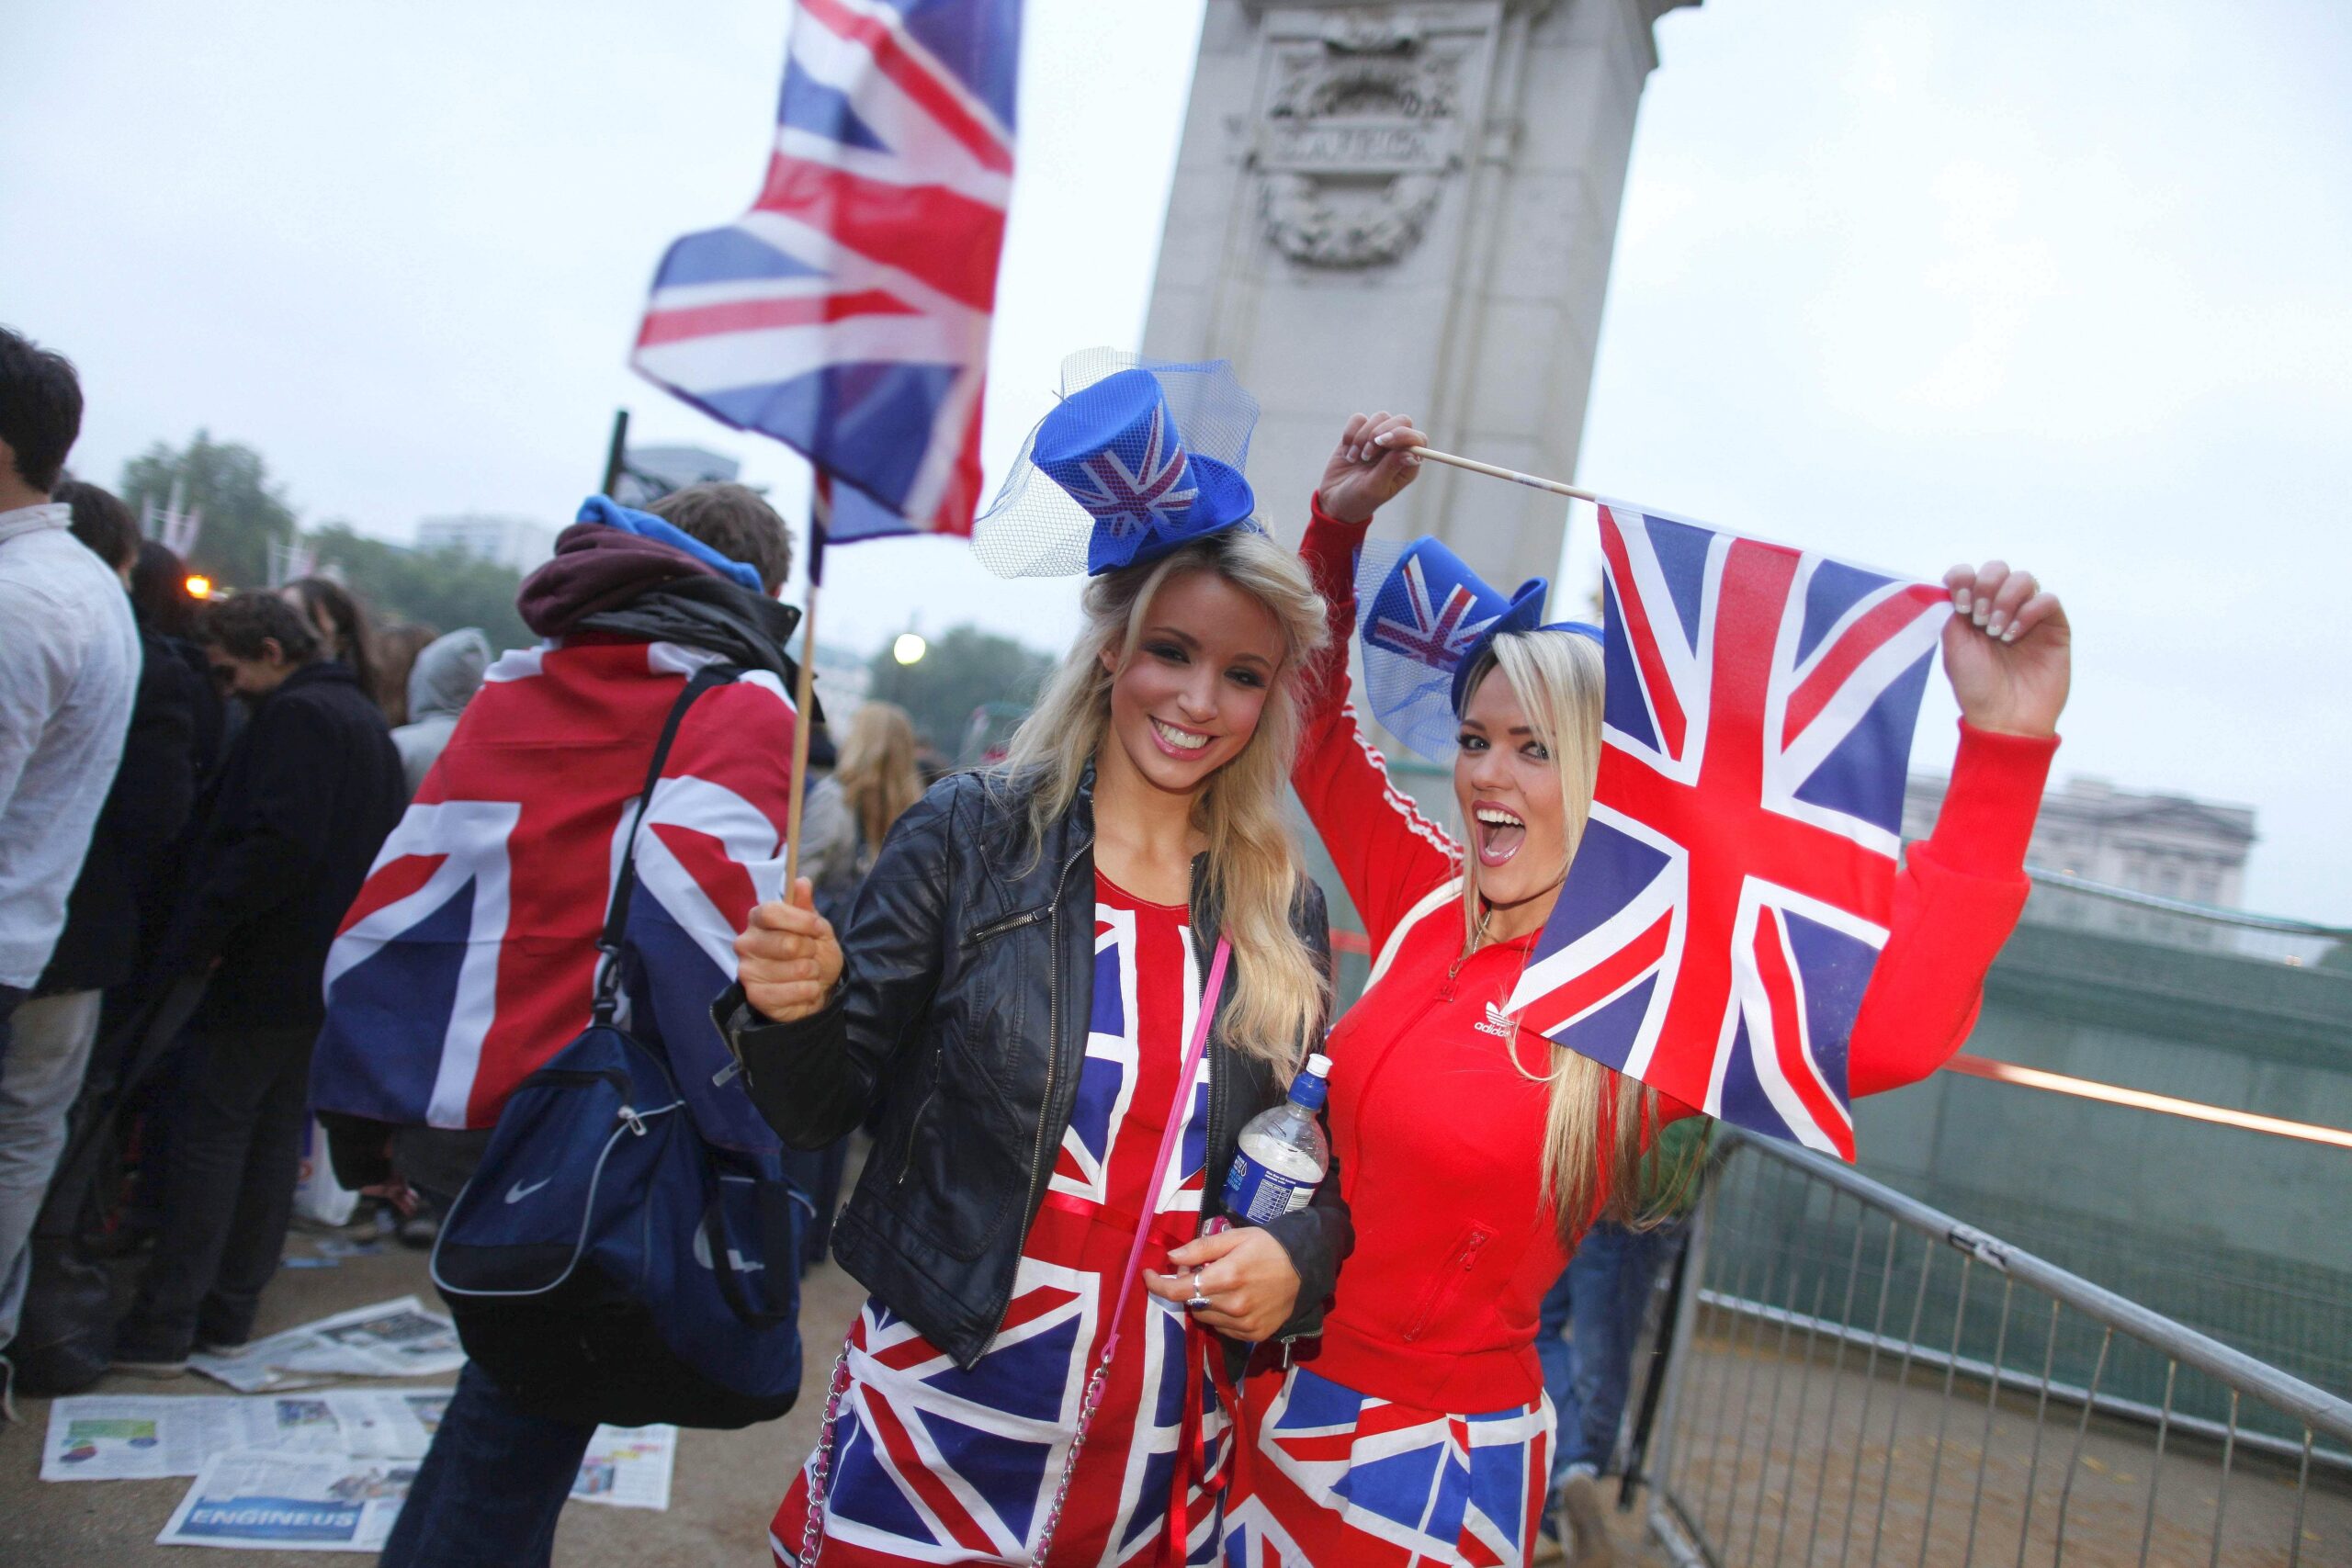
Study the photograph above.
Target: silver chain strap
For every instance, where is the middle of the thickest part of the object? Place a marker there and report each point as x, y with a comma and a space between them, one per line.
1069, 1465
812, 1529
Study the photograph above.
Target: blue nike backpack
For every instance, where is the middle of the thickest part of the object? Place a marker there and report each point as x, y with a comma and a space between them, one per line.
609, 1261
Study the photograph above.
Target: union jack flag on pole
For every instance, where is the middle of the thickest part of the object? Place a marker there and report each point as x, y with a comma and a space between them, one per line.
1733, 886
847, 313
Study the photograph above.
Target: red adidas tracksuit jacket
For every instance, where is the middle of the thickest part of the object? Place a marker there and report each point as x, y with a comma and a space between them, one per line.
1439, 1139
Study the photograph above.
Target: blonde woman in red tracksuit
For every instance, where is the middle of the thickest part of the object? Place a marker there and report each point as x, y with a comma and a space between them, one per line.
1473, 1152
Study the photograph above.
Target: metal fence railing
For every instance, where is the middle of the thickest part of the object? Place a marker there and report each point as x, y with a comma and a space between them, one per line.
1852, 1377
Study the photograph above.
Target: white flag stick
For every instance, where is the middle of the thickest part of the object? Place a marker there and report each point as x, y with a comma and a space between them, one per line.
1531, 481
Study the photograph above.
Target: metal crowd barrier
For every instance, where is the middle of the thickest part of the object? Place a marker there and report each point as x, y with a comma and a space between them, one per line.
1851, 1377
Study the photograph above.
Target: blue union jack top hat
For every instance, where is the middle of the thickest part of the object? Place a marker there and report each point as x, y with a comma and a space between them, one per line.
1425, 618
1144, 458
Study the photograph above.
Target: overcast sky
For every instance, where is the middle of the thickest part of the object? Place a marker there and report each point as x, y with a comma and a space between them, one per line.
2061, 283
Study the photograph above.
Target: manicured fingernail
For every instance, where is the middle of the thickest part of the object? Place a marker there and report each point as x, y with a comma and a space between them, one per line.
1993, 626
1983, 611
1412, 460
1386, 438
1960, 599
2011, 634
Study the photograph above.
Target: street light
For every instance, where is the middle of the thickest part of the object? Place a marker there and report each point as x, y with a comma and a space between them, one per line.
910, 647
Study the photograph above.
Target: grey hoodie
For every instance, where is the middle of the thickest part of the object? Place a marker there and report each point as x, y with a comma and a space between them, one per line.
447, 674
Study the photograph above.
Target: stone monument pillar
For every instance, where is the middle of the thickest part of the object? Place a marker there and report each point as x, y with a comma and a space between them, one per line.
1408, 206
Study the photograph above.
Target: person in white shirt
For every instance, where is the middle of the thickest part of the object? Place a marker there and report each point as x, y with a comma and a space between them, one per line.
69, 667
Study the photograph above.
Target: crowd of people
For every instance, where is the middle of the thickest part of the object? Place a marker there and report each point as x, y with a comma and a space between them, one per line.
263, 862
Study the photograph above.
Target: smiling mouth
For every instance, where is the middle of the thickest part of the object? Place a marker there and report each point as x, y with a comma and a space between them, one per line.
1178, 741
1500, 833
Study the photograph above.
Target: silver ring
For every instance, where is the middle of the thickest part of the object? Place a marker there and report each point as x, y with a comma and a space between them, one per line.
1198, 1303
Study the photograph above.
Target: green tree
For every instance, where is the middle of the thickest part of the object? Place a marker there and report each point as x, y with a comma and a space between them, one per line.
245, 513
962, 669
445, 589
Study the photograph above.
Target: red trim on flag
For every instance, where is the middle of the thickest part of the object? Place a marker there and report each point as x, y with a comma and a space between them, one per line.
944, 237
911, 76
756, 315
389, 884
1857, 642
1643, 640
1788, 1032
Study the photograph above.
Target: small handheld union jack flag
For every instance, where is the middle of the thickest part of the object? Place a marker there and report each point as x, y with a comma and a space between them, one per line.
1728, 901
847, 313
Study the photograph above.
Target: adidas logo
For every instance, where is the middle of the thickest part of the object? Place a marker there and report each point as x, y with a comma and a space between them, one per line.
1499, 1024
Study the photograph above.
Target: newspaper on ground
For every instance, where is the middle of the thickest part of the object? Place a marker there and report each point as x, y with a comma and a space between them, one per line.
145, 1437
256, 1499
392, 1339
628, 1467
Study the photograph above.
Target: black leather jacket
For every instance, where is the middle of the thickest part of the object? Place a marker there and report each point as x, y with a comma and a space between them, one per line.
962, 1009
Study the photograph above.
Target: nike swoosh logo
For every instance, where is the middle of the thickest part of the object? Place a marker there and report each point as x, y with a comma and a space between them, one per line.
517, 1192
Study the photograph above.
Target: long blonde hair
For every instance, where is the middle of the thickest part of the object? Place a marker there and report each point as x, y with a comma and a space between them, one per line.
1599, 1118
1255, 872
876, 773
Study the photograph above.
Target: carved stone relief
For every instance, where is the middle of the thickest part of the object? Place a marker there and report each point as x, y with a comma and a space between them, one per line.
1360, 129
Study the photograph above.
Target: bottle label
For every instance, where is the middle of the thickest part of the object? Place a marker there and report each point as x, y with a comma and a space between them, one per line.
1254, 1194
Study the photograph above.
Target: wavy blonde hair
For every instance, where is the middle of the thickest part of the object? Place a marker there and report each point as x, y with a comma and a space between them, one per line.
876, 771
1255, 872
1600, 1120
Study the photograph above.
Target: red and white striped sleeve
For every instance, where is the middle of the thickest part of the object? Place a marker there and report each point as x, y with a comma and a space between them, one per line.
1389, 854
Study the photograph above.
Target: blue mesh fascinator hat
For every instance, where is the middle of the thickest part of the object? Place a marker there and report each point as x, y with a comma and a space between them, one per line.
1137, 458
1424, 617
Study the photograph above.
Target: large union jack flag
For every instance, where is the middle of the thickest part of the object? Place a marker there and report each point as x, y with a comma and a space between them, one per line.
847, 313
1732, 892
469, 956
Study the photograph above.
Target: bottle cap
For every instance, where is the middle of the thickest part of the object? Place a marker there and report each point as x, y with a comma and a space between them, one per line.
1319, 1064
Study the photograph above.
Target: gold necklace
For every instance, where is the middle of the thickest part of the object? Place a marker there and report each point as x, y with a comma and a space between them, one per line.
1476, 938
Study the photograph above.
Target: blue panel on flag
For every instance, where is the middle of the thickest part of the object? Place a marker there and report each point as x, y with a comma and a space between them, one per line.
973, 1453
1159, 1471
1109, 1017
379, 999
1621, 704
883, 1507
809, 105
1024, 1378
1836, 588
1607, 1033
1316, 1402
853, 514
1169, 1409
1498, 1481
1832, 971
1611, 867
1682, 559
1397, 1487
1744, 1103
844, 397
1863, 774
981, 44
725, 255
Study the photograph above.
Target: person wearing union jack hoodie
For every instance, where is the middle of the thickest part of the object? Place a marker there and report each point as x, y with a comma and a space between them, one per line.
1019, 986
1474, 1150
470, 955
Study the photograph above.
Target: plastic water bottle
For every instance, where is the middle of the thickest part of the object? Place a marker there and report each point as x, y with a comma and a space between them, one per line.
1284, 1154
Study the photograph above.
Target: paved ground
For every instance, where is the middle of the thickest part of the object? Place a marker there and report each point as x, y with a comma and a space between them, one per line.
726, 1486
1785, 1462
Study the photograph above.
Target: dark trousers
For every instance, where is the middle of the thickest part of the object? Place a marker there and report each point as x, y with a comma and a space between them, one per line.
491, 1485
1600, 1299
236, 1149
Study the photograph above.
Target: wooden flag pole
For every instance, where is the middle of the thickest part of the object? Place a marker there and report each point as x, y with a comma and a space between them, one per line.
798, 789
1531, 481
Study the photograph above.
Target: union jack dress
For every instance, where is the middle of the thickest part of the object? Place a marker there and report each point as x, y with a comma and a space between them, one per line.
934, 1463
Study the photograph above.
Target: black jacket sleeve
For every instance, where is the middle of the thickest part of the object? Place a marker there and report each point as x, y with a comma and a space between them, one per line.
156, 789
815, 1079
1319, 1237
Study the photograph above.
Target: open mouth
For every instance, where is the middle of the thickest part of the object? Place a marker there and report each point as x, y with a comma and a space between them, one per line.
1178, 741
1500, 831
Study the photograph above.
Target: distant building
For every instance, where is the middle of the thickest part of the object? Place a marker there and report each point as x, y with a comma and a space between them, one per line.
2169, 846
521, 543
648, 473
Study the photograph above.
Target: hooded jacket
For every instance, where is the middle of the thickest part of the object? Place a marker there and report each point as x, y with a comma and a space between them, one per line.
447, 672
470, 957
